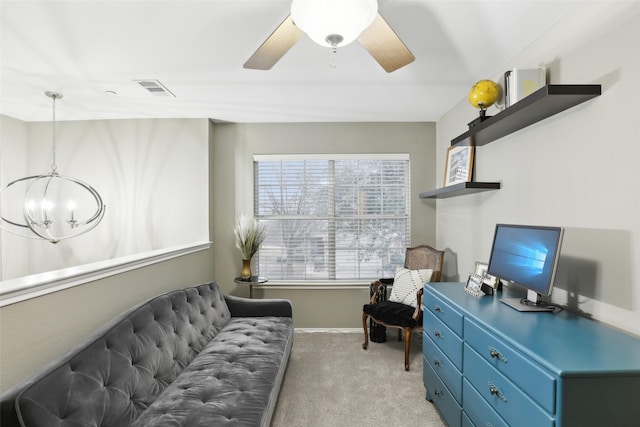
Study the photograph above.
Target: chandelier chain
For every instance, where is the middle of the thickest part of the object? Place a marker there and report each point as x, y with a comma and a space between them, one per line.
54, 96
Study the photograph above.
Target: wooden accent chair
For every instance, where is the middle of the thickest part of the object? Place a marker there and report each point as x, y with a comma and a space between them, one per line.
396, 315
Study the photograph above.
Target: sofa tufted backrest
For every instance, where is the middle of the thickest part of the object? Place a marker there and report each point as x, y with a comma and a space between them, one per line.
119, 373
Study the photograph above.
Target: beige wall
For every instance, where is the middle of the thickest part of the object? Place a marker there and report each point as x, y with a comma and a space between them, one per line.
234, 146
578, 169
36, 331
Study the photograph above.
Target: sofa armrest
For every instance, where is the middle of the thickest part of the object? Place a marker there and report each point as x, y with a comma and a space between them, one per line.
8, 414
245, 307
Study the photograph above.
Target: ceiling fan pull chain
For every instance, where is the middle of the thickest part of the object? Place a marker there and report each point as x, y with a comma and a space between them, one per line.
333, 52
334, 40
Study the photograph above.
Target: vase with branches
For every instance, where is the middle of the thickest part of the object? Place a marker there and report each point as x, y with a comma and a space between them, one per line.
250, 234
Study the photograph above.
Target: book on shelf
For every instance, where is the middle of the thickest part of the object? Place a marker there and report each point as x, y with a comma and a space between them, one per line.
520, 83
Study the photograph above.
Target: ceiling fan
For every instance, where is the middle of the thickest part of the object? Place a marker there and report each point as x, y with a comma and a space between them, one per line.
334, 23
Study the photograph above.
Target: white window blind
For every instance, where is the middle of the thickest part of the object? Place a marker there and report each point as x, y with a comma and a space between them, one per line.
332, 218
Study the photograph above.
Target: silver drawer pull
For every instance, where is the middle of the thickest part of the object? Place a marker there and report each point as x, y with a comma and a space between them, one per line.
495, 354
495, 391
437, 333
437, 362
438, 393
438, 309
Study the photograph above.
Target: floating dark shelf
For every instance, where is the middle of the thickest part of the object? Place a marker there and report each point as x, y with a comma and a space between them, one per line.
541, 104
460, 190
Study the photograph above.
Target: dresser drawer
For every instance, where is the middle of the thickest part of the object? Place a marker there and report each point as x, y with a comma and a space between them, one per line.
443, 311
538, 383
509, 401
478, 410
444, 338
442, 366
441, 397
466, 422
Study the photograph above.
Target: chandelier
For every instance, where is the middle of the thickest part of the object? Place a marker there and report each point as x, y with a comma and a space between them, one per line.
51, 206
333, 23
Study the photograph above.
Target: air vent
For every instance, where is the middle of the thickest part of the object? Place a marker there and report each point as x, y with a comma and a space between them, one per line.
155, 87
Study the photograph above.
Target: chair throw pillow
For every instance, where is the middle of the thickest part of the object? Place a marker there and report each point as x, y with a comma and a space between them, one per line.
407, 283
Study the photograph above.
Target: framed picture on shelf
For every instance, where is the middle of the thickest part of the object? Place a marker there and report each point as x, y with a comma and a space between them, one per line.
459, 165
487, 279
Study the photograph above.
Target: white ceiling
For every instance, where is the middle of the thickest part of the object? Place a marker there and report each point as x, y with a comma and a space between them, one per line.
197, 48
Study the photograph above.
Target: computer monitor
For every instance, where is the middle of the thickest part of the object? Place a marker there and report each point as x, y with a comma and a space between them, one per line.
527, 256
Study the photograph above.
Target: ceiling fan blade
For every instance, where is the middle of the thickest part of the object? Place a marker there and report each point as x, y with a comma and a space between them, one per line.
275, 46
385, 46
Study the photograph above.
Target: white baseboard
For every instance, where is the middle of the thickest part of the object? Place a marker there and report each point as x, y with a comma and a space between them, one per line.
329, 330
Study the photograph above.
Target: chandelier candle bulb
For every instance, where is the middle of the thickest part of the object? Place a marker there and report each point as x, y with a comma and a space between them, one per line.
46, 212
72, 221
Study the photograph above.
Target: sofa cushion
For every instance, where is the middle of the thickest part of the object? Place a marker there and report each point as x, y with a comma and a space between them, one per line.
234, 381
393, 313
125, 366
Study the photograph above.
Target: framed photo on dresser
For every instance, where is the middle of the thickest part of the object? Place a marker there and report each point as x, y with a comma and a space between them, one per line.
487, 279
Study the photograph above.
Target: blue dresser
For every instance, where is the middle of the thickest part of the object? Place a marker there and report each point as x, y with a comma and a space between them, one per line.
486, 364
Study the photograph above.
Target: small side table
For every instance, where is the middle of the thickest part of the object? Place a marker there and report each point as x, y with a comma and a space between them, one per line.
253, 280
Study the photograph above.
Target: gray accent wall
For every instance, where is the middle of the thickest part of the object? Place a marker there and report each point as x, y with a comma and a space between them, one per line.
316, 306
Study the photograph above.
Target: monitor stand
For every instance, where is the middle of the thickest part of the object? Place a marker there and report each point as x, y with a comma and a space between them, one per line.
530, 303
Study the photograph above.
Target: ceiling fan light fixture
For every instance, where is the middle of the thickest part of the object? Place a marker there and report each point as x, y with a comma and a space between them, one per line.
323, 20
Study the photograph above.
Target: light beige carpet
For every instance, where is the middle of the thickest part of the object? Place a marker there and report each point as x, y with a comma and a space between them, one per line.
332, 382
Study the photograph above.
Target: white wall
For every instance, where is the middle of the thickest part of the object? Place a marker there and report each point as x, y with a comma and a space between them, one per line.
13, 145
578, 169
36, 331
151, 174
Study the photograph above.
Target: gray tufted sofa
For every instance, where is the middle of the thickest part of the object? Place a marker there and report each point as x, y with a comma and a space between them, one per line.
192, 357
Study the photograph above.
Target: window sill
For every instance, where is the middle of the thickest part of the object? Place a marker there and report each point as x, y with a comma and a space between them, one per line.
315, 284
23, 288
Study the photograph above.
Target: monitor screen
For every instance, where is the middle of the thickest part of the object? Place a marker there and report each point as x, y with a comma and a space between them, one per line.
526, 255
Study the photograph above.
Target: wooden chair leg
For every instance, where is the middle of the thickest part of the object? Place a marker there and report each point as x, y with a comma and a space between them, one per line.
366, 332
407, 344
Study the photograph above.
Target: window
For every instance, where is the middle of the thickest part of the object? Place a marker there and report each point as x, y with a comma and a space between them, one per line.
332, 217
